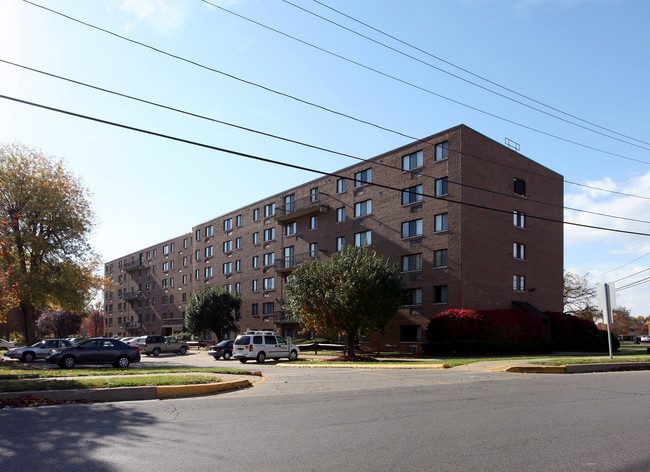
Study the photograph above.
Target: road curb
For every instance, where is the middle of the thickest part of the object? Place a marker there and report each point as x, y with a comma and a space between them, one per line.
369, 366
580, 368
173, 391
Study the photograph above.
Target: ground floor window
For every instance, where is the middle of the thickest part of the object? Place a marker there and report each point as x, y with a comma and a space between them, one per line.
410, 333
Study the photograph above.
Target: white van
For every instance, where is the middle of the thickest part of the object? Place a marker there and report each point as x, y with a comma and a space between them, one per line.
260, 345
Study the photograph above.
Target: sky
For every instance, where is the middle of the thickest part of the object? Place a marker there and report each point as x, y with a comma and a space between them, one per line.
567, 80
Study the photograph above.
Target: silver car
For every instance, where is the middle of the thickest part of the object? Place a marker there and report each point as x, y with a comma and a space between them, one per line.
40, 350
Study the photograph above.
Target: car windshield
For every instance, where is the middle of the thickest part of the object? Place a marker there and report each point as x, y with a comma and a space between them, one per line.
224, 343
243, 340
38, 344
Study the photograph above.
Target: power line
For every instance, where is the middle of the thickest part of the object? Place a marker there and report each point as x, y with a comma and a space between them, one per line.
632, 275
456, 76
344, 115
293, 141
298, 167
423, 89
633, 284
469, 72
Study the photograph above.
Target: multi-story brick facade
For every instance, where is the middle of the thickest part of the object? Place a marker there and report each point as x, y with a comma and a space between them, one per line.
472, 223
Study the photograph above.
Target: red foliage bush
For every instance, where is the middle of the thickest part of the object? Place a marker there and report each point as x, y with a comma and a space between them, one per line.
494, 326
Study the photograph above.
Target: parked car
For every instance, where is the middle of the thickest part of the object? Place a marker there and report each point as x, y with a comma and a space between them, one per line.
4, 344
645, 339
75, 340
95, 351
40, 350
259, 345
156, 345
133, 341
222, 349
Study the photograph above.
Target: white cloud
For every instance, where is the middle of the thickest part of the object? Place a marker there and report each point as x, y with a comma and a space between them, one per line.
163, 15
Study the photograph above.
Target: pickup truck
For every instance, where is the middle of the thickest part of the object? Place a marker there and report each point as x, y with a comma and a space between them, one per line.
155, 345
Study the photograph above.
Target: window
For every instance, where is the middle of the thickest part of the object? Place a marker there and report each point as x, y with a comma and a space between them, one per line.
411, 262
340, 186
197, 254
198, 234
362, 208
269, 210
362, 178
313, 194
209, 231
208, 272
412, 161
184, 262
441, 222
412, 195
519, 283
184, 298
238, 265
340, 243
440, 294
171, 247
313, 222
269, 258
256, 285
148, 255
519, 219
155, 253
165, 300
519, 251
227, 268
520, 187
208, 252
227, 246
442, 186
238, 243
238, 287
197, 274
228, 288
256, 262
184, 279
166, 249
442, 151
440, 258
412, 228
255, 310
238, 220
269, 234
413, 296
313, 250
165, 283
165, 266
340, 214
290, 203
290, 228
363, 238
227, 224
171, 281
256, 238
171, 265
267, 308
410, 333
184, 243
256, 214
269, 283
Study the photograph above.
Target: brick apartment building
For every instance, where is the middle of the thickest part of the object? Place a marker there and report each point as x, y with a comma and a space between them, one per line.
472, 223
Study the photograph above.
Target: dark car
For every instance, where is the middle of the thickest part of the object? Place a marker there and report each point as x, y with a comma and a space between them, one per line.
95, 351
223, 349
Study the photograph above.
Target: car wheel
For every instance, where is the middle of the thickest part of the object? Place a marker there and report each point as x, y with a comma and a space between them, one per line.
183, 350
243, 361
227, 356
156, 352
293, 355
122, 362
68, 362
261, 357
27, 357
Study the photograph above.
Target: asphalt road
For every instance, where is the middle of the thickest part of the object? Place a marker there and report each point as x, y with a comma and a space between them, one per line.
311, 419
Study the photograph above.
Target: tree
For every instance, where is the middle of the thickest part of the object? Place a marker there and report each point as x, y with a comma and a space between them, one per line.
578, 294
48, 219
212, 309
352, 292
60, 323
8, 287
93, 325
622, 322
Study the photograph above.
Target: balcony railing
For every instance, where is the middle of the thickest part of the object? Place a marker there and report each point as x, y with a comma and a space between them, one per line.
133, 325
172, 322
287, 264
282, 317
301, 207
133, 265
132, 296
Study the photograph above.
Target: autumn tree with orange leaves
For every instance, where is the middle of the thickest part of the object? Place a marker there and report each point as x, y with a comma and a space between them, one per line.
48, 220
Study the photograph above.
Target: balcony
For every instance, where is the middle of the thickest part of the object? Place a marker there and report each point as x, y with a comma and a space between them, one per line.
132, 296
133, 325
172, 322
284, 265
283, 317
301, 207
133, 265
